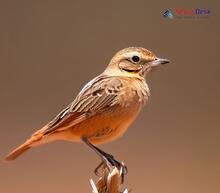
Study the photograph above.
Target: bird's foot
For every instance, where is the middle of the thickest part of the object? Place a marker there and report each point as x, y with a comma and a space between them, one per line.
109, 162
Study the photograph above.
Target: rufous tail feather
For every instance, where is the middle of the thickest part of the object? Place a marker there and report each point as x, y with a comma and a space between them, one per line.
22, 148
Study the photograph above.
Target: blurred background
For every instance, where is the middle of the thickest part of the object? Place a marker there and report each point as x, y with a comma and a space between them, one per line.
50, 49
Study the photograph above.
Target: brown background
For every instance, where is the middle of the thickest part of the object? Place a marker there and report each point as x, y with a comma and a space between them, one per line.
50, 49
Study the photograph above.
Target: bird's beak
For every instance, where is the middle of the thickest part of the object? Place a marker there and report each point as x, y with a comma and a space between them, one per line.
157, 62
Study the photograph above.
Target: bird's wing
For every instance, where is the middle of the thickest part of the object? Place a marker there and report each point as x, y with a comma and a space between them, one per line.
95, 97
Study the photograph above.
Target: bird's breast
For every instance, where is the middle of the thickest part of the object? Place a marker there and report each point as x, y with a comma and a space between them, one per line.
111, 124
114, 120
135, 93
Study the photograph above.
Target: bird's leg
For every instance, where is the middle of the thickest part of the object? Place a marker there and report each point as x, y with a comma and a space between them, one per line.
106, 158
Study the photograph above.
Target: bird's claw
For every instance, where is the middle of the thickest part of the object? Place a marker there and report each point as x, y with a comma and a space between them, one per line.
109, 162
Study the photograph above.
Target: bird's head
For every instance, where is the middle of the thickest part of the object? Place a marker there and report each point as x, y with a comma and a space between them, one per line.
134, 61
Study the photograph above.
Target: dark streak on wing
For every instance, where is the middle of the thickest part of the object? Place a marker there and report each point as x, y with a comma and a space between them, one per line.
95, 97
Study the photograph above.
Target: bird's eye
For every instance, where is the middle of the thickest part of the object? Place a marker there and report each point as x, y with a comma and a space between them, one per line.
135, 59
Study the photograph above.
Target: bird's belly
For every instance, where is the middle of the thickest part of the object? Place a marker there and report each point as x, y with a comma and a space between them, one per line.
105, 126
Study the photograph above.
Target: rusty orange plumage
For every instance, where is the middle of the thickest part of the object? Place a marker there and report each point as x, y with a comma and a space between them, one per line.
105, 107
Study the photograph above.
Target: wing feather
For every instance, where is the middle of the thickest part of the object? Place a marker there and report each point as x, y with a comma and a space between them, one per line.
95, 97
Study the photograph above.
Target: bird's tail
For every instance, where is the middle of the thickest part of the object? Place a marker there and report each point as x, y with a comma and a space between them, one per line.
24, 147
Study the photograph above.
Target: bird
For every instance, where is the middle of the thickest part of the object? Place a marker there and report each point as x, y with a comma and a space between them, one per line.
104, 108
